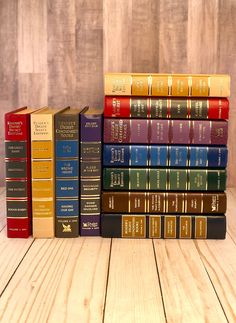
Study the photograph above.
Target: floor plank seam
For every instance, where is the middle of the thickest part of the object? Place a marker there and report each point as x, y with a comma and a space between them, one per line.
108, 272
159, 280
209, 277
3, 228
8, 282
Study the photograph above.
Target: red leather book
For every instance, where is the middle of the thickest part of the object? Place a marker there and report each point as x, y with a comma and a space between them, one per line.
165, 107
18, 173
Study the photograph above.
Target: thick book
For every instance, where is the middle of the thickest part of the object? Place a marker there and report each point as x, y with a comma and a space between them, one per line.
180, 85
90, 171
163, 226
165, 155
164, 131
43, 172
18, 173
170, 179
164, 107
164, 202
67, 173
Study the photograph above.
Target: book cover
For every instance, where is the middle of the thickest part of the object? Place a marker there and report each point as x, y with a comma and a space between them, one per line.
18, 173
169, 226
170, 179
90, 171
43, 172
164, 202
165, 107
176, 85
67, 173
165, 155
164, 131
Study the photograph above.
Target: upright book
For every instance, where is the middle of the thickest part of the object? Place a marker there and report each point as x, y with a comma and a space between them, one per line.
182, 85
18, 173
90, 171
43, 173
67, 173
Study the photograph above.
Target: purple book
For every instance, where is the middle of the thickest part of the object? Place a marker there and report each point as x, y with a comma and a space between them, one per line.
90, 171
140, 131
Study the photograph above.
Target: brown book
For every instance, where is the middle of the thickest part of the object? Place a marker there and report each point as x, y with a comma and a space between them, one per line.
164, 202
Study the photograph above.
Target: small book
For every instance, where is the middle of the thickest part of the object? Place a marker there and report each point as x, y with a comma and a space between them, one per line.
18, 173
43, 172
163, 226
176, 85
90, 171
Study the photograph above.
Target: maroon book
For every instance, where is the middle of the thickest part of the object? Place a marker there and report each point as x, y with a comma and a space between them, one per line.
18, 173
164, 131
166, 107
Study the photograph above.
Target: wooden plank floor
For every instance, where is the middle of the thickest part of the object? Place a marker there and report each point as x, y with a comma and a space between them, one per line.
103, 280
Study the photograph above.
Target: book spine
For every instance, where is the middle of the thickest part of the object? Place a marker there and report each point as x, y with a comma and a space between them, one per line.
43, 178
158, 108
170, 179
90, 174
143, 131
67, 175
18, 175
163, 155
163, 202
169, 226
162, 85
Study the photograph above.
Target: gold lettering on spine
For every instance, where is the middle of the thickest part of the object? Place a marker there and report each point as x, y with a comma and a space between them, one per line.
207, 156
133, 226
148, 202
183, 202
190, 85
200, 227
185, 227
201, 202
170, 227
155, 227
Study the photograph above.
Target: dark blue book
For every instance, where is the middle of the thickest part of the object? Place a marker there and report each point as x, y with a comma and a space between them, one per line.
67, 173
90, 171
165, 155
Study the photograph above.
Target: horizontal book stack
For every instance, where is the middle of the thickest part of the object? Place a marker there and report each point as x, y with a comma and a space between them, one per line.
165, 156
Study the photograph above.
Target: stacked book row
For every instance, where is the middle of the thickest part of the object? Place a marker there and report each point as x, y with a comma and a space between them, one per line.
154, 166
165, 156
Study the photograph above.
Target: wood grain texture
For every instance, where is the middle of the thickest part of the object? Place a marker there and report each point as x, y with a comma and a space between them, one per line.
55, 52
62, 280
187, 292
133, 293
219, 258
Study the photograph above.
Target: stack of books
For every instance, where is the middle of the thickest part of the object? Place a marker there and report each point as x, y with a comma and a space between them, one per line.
165, 156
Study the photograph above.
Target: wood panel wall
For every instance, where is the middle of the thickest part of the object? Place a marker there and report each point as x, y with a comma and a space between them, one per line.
55, 52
